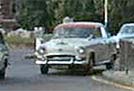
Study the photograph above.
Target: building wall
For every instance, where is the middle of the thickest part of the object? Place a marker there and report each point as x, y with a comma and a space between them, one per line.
7, 19
6, 9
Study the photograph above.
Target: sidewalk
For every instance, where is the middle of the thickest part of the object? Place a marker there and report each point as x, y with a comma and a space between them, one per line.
120, 77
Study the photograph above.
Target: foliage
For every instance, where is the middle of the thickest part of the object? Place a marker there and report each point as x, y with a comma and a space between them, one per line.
33, 13
48, 13
121, 11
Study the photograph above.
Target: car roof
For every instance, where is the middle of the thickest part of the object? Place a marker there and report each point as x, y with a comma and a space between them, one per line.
80, 24
124, 25
128, 24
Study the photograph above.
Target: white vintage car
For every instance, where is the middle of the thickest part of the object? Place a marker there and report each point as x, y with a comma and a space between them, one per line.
77, 45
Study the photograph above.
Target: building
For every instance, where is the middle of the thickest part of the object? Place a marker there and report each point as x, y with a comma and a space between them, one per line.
6, 9
6, 14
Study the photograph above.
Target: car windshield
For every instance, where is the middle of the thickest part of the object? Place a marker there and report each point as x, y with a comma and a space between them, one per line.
127, 30
77, 32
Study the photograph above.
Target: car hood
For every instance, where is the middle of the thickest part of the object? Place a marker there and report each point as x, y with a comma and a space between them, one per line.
66, 46
68, 42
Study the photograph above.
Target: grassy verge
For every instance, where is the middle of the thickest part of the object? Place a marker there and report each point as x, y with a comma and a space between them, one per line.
17, 41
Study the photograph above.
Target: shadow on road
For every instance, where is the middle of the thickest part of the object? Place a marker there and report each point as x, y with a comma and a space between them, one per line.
75, 73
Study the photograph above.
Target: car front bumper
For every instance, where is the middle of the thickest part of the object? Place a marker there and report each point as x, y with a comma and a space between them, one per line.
60, 62
66, 60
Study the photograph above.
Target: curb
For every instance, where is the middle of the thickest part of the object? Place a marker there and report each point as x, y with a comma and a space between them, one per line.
123, 80
101, 80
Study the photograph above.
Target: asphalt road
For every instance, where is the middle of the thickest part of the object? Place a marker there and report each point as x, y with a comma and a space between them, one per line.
24, 75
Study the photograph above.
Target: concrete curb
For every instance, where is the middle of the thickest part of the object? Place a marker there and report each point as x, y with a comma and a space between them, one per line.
119, 77
105, 81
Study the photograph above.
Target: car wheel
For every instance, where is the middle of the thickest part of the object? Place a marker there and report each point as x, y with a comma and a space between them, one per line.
2, 74
91, 63
110, 65
6, 63
44, 69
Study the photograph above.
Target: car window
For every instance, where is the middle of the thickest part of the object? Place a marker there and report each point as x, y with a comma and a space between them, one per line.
127, 30
77, 32
97, 32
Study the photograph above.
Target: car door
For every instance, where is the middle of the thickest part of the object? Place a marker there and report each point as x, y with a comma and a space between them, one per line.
101, 50
101, 46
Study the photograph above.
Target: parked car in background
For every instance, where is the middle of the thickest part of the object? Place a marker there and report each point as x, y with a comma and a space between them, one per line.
76, 45
126, 32
3, 56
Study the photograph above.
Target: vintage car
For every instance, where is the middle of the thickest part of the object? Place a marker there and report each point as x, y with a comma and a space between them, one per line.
77, 45
126, 32
3, 56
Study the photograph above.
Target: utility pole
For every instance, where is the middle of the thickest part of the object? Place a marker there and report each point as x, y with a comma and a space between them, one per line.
106, 13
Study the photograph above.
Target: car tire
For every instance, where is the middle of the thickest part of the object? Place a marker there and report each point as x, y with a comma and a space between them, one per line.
44, 69
6, 63
91, 63
110, 65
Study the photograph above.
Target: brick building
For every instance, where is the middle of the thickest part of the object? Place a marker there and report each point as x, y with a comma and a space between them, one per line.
6, 14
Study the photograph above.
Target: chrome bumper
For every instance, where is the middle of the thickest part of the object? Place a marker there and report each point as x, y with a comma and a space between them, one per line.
60, 63
73, 60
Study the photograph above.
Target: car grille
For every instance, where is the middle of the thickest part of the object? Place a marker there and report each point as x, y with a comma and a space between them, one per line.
60, 58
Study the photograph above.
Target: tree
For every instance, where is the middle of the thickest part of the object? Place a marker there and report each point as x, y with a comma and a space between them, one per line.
33, 13
48, 13
119, 12
78, 9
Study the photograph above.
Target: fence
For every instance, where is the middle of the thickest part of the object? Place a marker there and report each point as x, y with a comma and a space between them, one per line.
126, 54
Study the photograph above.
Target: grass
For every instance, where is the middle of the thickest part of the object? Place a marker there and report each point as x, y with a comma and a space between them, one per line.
17, 41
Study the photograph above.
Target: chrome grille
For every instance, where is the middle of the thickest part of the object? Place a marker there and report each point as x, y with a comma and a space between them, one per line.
60, 58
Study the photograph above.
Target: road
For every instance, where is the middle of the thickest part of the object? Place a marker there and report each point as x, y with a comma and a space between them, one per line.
24, 75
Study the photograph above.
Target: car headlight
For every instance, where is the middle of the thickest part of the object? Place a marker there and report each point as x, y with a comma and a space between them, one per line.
81, 50
41, 50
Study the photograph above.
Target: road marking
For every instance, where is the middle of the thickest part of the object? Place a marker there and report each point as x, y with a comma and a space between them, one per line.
112, 83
